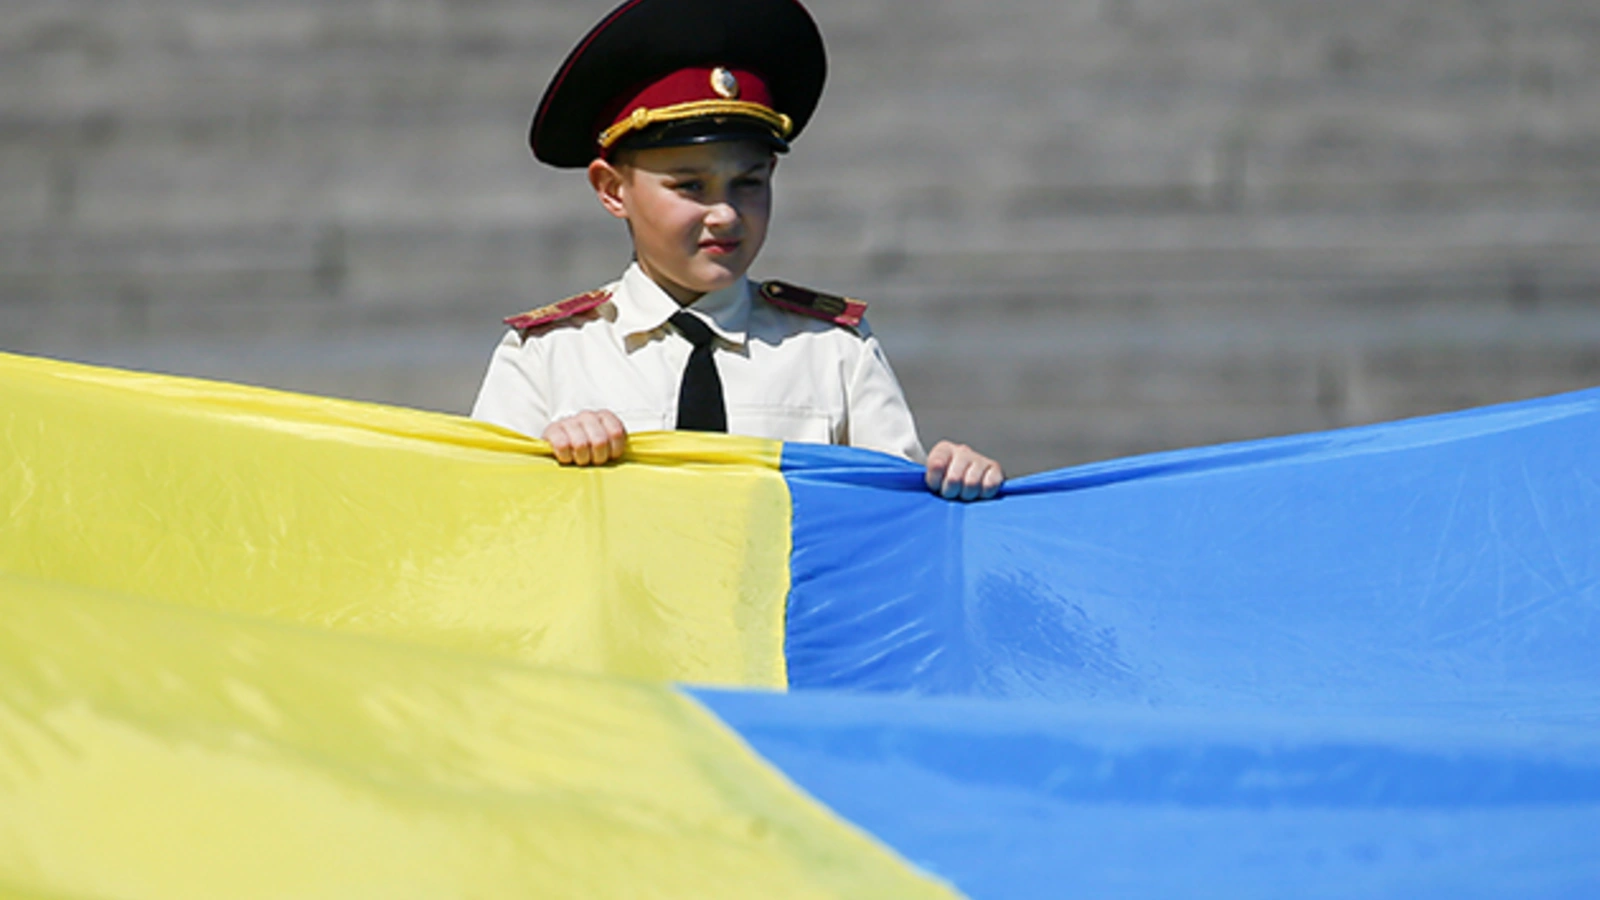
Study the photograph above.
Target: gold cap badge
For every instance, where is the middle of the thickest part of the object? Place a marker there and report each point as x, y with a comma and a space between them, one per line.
723, 82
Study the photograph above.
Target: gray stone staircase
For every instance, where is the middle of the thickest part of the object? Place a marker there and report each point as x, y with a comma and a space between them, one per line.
1086, 229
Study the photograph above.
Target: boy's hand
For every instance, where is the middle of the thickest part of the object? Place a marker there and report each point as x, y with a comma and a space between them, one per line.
958, 472
590, 438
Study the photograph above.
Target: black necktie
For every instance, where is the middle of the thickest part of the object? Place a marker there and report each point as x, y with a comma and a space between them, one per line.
700, 405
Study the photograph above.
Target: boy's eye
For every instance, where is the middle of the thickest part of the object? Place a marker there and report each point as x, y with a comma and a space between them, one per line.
692, 186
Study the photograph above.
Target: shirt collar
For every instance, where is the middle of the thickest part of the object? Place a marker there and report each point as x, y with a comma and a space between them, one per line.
642, 307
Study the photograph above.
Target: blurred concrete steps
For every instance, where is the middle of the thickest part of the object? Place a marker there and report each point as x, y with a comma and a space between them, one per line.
1087, 228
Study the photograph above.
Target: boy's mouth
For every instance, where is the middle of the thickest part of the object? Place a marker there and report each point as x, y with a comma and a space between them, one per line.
719, 246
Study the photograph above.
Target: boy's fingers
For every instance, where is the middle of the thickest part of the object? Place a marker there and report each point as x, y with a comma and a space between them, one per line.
993, 477
591, 437
938, 462
616, 433
955, 477
560, 443
972, 485
983, 479
596, 442
958, 472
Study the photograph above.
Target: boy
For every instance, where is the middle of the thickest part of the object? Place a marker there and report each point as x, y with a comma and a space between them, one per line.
677, 109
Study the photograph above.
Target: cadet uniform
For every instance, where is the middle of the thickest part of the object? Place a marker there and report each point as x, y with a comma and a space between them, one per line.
773, 360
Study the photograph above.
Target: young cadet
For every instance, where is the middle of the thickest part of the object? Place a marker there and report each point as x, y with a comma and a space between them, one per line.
677, 109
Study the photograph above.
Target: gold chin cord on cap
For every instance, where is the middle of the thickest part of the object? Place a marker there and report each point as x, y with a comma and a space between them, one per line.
644, 118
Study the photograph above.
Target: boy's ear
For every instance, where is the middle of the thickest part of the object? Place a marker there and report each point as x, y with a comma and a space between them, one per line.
607, 181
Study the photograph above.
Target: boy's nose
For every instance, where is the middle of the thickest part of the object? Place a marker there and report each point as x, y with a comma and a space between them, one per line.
721, 214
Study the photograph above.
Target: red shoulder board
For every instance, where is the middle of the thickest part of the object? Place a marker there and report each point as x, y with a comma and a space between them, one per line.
806, 302
555, 312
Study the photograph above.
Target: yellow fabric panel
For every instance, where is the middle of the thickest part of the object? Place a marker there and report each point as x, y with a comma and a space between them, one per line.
398, 522
154, 751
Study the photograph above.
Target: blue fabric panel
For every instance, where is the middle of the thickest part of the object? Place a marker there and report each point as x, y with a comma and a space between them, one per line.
1359, 663
1452, 561
1021, 799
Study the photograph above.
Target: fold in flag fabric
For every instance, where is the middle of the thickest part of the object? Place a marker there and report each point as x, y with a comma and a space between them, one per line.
257, 644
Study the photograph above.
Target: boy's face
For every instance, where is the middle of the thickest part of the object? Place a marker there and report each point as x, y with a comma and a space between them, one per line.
698, 214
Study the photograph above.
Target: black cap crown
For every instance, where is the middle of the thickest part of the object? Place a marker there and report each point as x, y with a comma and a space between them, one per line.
661, 72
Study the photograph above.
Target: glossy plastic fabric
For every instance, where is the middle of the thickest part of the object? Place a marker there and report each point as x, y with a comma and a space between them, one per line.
1350, 664
149, 750
1022, 799
1449, 563
388, 521
261, 645
1360, 663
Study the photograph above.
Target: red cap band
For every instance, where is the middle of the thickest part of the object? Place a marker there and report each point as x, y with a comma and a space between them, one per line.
688, 93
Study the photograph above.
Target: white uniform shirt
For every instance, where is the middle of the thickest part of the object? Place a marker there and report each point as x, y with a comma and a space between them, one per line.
784, 376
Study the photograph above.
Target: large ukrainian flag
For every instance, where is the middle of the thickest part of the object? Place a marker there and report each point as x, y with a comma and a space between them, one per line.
256, 644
